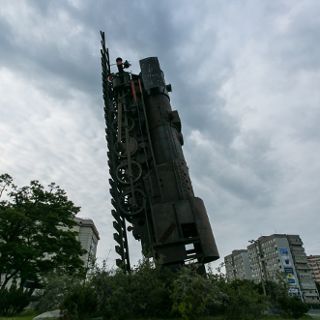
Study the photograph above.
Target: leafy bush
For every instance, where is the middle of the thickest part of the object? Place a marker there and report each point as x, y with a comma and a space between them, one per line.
80, 303
144, 292
56, 287
293, 307
150, 288
149, 292
115, 295
282, 304
194, 295
13, 301
115, 299
244, 301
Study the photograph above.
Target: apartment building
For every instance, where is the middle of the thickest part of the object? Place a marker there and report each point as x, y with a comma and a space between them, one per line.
88, 236
314, 265
278, 257
270, 258
282, 257
237, 265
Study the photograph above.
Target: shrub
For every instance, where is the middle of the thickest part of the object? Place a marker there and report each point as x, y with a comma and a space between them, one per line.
282, 304
143, 293
13, 301
244, 301
55, 289
80, 303
292, 307
115, 301
150, 288
149, 292
194, 295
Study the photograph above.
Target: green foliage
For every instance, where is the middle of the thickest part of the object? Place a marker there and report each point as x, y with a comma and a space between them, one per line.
149, 292
194, 295
244, 301
283, 304
55, 288
35, 233
13, 301
81, 302
144, 293
119, 303
293, 307
150, 287
276, 291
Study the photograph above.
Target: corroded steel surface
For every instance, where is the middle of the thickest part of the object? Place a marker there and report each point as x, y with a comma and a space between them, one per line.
150, 183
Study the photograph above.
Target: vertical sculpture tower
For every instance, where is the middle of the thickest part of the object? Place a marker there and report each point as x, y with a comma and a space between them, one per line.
149, 180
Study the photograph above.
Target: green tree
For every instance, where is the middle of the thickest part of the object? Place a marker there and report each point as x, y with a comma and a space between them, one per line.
36, 234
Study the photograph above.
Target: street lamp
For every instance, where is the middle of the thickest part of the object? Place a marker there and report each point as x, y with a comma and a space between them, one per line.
256, 246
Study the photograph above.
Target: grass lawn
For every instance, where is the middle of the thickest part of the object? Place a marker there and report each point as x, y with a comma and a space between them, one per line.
27, 315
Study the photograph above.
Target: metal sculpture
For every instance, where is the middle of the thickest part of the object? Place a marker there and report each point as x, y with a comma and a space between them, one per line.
149, 180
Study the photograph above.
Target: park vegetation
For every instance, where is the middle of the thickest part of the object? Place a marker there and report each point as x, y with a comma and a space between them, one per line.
40, 266
155, 293
36, 239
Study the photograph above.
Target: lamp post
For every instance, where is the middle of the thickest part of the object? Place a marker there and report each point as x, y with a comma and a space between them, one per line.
258, 253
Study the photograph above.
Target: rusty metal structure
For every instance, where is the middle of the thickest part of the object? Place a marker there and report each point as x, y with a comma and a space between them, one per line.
151, 191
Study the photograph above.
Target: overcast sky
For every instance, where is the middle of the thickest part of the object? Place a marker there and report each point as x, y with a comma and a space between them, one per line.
245, 77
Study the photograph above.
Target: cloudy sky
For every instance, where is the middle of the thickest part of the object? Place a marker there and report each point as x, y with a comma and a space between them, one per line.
245, 77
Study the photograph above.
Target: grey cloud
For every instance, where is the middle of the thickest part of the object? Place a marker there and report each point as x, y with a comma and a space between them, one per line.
243, 77
298, 32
